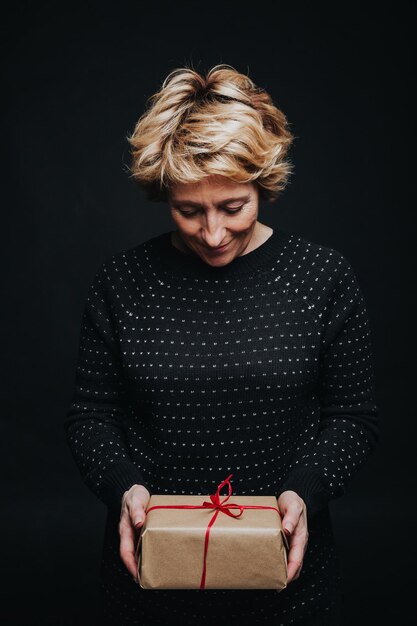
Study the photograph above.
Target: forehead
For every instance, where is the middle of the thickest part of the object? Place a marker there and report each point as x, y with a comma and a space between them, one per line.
213, 188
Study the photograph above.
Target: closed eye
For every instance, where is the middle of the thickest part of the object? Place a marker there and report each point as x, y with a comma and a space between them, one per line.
229, 211
234, 210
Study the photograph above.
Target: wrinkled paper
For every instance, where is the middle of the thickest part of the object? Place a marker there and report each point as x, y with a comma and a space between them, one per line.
248, 552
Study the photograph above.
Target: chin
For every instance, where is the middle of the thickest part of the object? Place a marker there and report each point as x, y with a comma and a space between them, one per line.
216, 262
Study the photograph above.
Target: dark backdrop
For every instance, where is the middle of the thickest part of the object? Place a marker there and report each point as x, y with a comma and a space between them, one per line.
76, 78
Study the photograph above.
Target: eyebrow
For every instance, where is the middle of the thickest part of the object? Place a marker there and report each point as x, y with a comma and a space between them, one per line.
196, 204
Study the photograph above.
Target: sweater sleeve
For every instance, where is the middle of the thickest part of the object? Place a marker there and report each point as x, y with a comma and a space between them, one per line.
94, 422
348, 429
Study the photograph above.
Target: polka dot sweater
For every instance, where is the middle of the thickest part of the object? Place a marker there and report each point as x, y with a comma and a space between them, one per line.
187, 373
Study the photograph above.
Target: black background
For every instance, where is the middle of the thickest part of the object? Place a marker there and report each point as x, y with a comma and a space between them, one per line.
76, 78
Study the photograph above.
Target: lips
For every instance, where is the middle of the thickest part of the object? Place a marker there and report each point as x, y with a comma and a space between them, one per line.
218, 248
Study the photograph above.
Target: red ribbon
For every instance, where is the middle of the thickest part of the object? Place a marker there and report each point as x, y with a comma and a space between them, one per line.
218, 506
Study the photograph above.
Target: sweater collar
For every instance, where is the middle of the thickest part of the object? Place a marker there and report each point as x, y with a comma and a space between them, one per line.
176, 261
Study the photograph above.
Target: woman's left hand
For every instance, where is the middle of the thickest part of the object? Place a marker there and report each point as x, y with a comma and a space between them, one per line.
294, 523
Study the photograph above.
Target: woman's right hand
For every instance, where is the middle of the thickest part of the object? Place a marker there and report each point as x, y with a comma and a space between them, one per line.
132, 517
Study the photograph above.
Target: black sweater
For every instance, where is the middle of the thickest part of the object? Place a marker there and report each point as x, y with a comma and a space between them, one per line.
187, 373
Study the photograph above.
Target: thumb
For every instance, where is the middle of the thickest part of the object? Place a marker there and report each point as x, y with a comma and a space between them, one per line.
138, 517
288, 527
288, 523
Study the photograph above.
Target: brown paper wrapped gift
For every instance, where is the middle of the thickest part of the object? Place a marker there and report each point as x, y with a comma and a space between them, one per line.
219, 543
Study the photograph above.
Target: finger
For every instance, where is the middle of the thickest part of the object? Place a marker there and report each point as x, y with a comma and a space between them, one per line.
136, 509
127, 545
138, 515
292, 516
296, 555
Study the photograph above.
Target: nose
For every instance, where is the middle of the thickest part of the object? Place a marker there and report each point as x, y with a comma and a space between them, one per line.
213, 234
214, 241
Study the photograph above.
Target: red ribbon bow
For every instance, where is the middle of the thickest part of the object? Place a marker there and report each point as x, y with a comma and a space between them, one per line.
218, 506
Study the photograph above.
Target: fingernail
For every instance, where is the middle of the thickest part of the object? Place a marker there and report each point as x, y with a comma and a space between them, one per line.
287, 531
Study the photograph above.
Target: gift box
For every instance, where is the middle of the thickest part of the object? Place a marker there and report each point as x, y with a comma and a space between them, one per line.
190, 542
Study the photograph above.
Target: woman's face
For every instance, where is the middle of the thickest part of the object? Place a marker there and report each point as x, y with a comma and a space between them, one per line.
215, 218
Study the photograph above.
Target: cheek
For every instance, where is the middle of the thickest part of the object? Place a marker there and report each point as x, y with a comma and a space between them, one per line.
187, 227
181, 222
245, 219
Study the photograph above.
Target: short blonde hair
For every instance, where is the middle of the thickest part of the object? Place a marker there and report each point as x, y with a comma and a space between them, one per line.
218, 124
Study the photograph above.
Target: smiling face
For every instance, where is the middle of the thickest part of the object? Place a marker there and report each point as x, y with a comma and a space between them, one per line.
215, 212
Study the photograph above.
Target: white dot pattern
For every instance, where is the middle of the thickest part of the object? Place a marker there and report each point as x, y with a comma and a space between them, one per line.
186, 373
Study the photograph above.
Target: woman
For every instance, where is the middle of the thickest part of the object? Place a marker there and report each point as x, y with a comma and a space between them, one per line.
221, 346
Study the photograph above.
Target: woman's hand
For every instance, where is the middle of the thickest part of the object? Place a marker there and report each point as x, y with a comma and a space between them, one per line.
132, 517
294, 523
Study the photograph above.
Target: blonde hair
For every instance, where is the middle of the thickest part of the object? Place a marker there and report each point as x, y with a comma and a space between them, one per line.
218, 124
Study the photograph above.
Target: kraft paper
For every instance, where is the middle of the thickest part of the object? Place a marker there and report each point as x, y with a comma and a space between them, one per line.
248, 552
